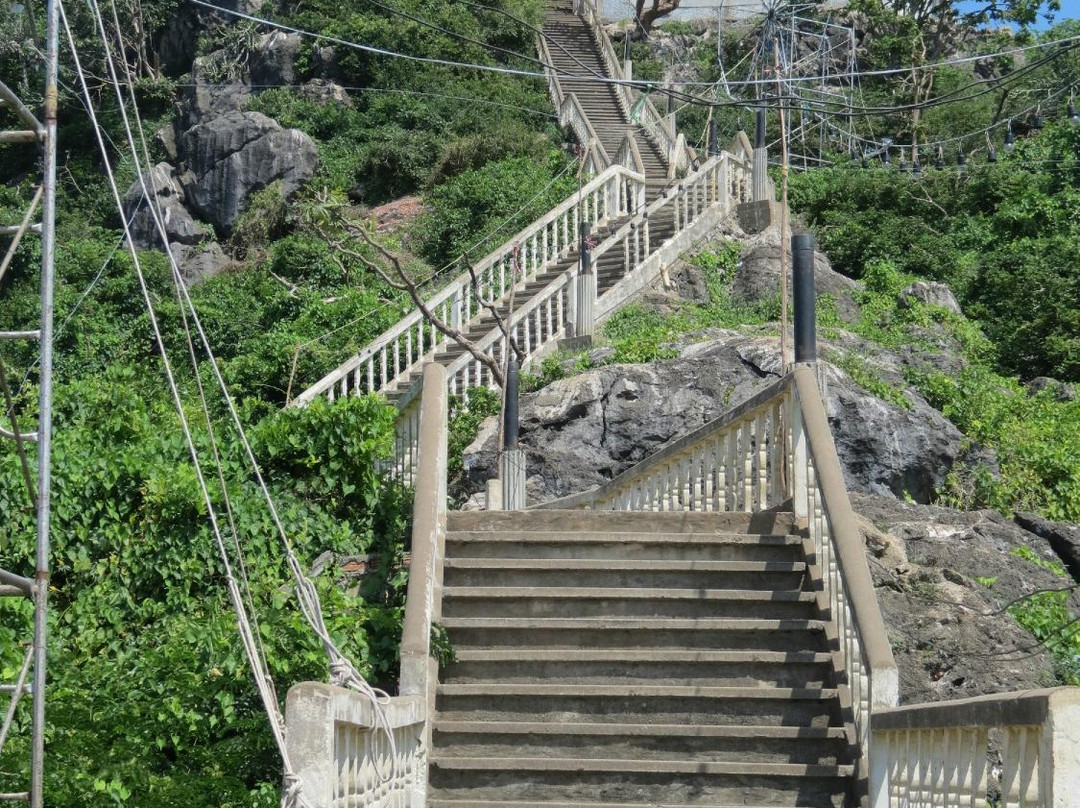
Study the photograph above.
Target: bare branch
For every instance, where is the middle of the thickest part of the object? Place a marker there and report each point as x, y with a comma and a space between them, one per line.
400, 279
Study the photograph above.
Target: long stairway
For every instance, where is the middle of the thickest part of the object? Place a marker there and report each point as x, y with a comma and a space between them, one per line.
634, 659
576, 56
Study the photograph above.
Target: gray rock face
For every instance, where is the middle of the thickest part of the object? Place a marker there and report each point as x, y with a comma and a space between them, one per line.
232, 156
273, 61
180, 226
1063, 539
943, 578
581, 431
1061, 390
758, 275
197, 263
930, 293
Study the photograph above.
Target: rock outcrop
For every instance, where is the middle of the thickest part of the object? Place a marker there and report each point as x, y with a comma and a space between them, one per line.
234, 155
584, 430
757, 276
943, 579
179, 225
930, 293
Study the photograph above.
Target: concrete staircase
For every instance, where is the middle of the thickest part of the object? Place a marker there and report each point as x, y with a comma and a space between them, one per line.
635, 659
575, 54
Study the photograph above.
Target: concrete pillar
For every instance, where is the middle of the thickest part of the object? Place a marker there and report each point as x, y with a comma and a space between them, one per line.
760, 174
512, 474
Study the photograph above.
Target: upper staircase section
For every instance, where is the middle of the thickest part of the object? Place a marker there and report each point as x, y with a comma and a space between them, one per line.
575, 52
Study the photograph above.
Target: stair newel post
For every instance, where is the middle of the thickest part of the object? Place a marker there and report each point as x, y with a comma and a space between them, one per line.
760, 174
586, 287
802, 251
512, 460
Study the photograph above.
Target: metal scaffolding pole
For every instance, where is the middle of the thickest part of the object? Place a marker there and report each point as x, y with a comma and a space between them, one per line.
12, 584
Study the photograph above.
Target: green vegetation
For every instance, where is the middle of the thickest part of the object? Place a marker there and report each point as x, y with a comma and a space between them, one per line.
150, 699
641, 335
1047, 616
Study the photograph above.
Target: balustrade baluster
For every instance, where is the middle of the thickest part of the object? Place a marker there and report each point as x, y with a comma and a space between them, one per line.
732, 468
762, 460
776, 444
635, 233
397, 357
645, 225
661, 490
674, 202
408, 348
748, 467
544, 246
382, 366
626, 256
371, 374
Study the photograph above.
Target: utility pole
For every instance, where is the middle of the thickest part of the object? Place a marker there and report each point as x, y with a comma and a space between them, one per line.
13, 584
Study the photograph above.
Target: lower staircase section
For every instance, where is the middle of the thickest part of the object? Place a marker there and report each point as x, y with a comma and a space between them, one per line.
635, 659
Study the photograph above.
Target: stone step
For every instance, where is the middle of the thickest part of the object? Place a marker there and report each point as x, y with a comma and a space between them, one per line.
553, 520
822, 746
638, 704
626, 545
558, 601
616, 572
642, 666
650, 783
793, 635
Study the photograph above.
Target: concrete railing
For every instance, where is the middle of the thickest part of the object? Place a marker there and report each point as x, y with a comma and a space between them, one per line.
1009, 750
540, 322
394, 355
572, 115
770, 450
696, 205
820, 500
341, 752
344, 756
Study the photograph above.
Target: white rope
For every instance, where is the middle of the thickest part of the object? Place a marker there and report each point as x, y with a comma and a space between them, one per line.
343, 673
262, 679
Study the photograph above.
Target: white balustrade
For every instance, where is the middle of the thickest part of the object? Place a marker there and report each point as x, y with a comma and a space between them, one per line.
345, 758
391, 358
1007, 750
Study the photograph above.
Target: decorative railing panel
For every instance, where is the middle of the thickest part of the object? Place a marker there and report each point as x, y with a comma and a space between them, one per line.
1008, 750
819, 498
345, 757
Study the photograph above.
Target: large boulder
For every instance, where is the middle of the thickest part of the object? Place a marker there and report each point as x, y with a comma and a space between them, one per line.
273, 61
197, 263
584, 430
180, 226
757, 276
232, 156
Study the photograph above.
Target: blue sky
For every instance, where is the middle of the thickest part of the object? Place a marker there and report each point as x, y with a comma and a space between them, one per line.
1069, 9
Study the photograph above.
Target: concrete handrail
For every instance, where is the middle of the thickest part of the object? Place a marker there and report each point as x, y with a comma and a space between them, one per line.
629, 155
658, 127
572, 114
397, 350
848, 541
937, 753
342, 754
423, 605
